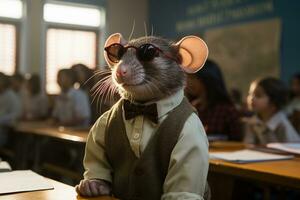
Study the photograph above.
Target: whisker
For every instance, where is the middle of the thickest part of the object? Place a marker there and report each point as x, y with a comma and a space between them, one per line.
145, 27
94, 75
152, 81
148, 86
98, 88
103, 92
152, 29
132, 30
100, 81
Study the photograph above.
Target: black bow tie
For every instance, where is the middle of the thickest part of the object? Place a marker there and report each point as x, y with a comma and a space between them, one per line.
133, 110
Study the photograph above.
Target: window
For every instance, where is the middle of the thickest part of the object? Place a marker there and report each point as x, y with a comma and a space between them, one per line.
10, 13
71, 38
7, 48
72, 15
65, 48
11, 9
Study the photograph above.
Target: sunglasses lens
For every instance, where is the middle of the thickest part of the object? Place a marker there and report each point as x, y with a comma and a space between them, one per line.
147, 52
115, 52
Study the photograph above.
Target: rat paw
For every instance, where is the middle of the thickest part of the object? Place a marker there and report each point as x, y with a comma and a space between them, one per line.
93, 187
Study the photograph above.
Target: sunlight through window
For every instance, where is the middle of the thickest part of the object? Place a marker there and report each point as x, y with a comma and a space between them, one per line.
11, 8
72, 15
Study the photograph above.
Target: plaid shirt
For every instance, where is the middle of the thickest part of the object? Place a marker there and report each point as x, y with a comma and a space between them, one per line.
222, 119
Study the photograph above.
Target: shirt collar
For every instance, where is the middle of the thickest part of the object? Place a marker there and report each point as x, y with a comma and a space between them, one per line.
164, 106
275, 120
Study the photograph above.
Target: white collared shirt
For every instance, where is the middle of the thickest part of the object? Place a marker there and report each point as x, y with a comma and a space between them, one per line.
188, 167
276, 129
74, 103
31, 110
10, 107
294, 105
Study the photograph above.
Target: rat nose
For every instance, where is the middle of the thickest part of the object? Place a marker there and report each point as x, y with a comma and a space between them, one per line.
121, 71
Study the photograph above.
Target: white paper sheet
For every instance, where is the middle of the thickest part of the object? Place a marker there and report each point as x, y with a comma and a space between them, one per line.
247, 156
288, 147
21, 181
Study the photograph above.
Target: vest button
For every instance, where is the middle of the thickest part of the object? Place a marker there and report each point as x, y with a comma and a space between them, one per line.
136, 136
139, 172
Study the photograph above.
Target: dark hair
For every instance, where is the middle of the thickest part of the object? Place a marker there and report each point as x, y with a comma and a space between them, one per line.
34, 83
275, 89
88, 73
4, 79
211, 77
297, 76
70, 73
236, 95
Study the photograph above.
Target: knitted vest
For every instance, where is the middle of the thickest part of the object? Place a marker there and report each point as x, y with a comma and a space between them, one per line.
142, 178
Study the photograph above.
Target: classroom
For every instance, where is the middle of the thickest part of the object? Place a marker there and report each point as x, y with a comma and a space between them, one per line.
149, 100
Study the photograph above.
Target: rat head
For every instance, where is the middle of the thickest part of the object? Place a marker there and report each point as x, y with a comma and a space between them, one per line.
151, 68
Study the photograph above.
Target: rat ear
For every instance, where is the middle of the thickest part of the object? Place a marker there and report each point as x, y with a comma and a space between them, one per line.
113, 38
193, 52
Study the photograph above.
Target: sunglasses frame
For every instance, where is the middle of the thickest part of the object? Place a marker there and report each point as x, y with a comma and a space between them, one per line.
136, 50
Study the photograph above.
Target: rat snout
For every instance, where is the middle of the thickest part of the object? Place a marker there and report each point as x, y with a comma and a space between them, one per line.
122, 73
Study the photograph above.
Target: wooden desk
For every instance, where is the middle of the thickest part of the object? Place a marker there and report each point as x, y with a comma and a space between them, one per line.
36, 132
60, 192
223, 176
284, 172
43, 129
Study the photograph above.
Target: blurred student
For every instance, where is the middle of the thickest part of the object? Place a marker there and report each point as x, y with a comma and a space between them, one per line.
83, 76
207, 92
294, 104
236, 98
36, 102
17, 83
71, 106
10, 106
266, 98
86, 78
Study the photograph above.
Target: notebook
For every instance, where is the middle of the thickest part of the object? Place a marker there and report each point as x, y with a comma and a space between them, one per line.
21, 181
287, 147
247, 156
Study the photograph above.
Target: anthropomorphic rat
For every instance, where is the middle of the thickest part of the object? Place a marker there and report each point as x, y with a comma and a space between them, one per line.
150, 145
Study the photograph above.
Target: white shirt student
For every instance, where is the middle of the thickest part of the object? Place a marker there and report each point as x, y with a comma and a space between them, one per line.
10, 112
276, 129
72, 105
31, 110
10, 107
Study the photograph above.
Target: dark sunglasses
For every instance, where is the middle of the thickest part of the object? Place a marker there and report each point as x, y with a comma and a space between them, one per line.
144, 53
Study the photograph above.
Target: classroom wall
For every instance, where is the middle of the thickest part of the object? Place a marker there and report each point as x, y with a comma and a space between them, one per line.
163, 15
122, 14
197, 16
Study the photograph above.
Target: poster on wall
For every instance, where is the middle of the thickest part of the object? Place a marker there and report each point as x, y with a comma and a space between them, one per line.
246, 51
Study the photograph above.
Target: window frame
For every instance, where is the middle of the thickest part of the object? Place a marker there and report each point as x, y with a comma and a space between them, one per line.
17, 24
72, 28
99, 31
